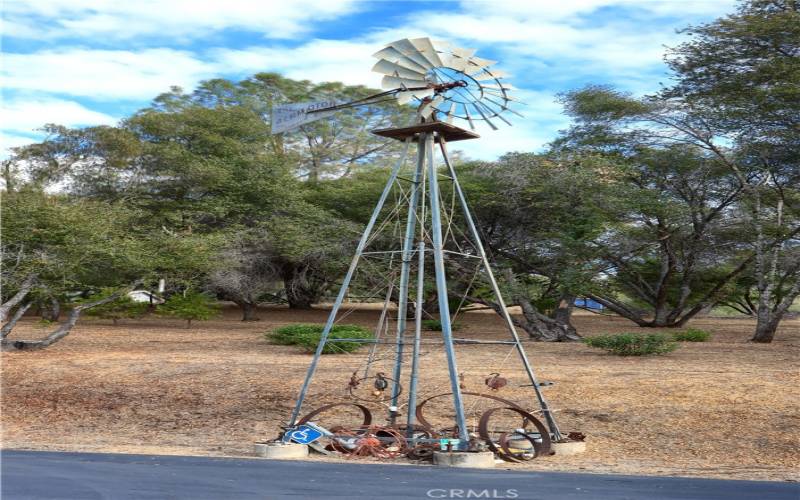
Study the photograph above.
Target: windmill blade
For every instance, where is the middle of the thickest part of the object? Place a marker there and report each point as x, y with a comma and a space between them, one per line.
493, 113
452, 57
406, 48
443, 46
390, 68
444, 50
489, 107
393, 55
469, 118
481, 63
428, 109
289, 116
464, 53
502, 106
425, 47
489, 75
452, 112
406, 97
505, 86
458, 63
393, 82
503, 95
483, 115
504, 120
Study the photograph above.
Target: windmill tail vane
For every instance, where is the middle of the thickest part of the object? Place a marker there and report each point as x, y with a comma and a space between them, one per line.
441, 79
410, 241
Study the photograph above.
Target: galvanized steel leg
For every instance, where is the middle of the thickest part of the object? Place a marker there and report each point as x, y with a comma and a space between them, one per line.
551, 423
405, 269
441, 289
381, 323
412, 385
346, 283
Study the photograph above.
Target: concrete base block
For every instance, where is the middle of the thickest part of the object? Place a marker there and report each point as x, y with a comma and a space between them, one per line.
476, 459
570, 448
281, 450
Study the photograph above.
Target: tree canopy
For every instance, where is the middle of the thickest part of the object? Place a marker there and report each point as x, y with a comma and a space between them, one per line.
659, 207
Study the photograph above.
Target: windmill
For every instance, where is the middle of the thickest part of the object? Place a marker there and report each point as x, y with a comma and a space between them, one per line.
448, 85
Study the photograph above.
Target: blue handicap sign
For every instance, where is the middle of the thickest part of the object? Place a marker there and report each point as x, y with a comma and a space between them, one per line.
304, 434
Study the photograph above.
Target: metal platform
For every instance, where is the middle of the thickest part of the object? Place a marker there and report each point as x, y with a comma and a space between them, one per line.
449, 132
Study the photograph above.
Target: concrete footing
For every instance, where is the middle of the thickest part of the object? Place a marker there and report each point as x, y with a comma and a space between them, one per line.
569, 448
475, 459
281, 450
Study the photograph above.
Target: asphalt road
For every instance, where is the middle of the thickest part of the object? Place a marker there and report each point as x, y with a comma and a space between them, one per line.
86, 476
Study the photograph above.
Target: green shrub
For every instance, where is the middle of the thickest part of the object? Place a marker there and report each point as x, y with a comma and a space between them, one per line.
307, 336
633, 344
692, 335
435, 325
191, 306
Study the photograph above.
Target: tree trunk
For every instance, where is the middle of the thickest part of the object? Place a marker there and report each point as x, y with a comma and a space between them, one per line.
13, 321
563, 313
298, 294
765, 329
660, 316
297, 299
431, 304
769, 319
538, 326
621, 309
24, 288
50, 309
249, 311
59, 333
63, 330
542, 328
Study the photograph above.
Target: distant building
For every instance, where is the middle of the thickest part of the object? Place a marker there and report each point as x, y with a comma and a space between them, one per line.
145, 296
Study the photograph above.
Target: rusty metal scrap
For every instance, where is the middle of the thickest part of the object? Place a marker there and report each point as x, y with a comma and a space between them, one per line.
502, 447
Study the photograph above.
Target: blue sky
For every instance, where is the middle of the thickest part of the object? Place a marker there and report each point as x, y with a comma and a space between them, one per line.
88, 62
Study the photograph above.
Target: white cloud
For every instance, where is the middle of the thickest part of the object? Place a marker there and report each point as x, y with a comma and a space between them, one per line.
618, 46
8, 141
318, 60
121, 20
569, 9
25, 116
104, 74
523, 136
544, 44
559, 41
540, 122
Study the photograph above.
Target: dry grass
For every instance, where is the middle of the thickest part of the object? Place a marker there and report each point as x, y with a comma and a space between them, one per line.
724, 408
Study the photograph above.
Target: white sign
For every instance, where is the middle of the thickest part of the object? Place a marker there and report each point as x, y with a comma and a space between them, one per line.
288, 116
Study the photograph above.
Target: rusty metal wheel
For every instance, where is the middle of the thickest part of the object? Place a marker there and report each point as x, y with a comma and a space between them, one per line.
364, 411
421, 452
502, 446
427, 425
329, 444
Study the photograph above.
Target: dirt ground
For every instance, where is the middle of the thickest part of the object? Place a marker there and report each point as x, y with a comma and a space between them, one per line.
725, 408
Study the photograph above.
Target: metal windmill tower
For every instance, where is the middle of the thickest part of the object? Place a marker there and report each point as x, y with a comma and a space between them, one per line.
447, 83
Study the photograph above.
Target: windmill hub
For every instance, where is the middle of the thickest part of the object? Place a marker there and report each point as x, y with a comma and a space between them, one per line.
442, 87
